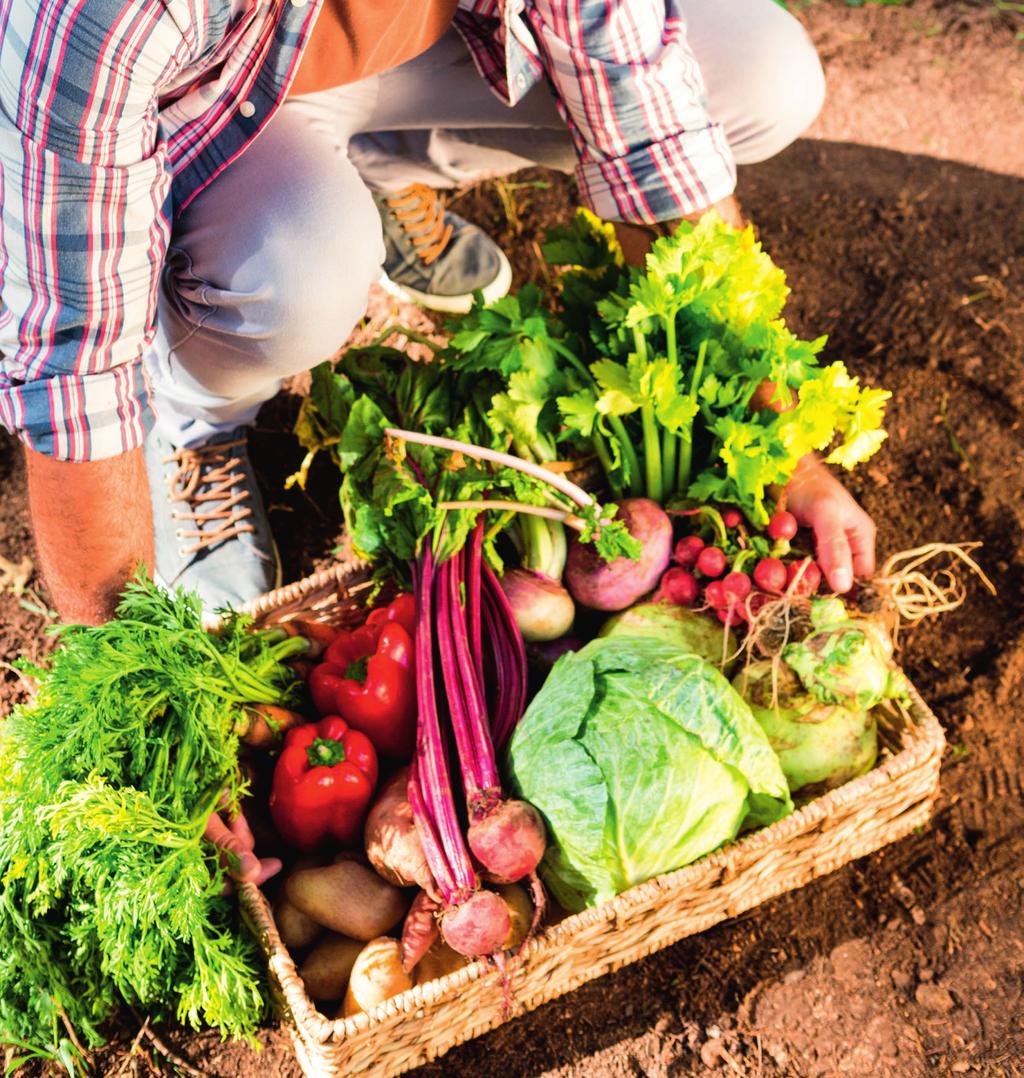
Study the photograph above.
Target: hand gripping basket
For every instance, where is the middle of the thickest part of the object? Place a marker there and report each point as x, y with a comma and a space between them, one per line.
424, 1023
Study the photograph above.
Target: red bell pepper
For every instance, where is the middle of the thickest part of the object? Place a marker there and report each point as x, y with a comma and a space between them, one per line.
401, 609
368, 678
323, 782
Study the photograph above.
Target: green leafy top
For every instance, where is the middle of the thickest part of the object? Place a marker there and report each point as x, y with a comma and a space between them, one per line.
392, 491
678, 353
107, 777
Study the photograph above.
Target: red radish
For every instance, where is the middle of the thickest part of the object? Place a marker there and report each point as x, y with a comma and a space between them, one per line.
736, 587
711, 561
770, 575
783, 525
686, 551
614, 585
757, 602
715, 594
679, 587
805, 574
732, 518
732, 615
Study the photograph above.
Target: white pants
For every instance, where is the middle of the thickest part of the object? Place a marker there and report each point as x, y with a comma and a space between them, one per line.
269, 268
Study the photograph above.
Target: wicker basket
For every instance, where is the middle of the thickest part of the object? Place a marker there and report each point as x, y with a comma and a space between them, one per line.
424, 1023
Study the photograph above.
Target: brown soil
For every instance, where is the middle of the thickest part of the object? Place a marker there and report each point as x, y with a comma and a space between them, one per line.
909, 962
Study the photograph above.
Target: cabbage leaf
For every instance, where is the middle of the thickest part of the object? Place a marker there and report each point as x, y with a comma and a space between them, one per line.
641, 760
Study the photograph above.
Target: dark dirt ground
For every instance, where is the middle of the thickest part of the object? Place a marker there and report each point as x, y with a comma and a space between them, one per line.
910, 962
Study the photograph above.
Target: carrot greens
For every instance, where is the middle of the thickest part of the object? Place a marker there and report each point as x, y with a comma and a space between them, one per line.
109, 892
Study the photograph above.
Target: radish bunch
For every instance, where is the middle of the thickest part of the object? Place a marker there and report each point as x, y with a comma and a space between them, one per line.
736, 574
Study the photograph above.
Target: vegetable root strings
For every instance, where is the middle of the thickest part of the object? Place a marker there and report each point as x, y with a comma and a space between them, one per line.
915, 594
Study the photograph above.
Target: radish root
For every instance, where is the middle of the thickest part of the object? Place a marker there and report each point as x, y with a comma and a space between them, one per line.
915, 594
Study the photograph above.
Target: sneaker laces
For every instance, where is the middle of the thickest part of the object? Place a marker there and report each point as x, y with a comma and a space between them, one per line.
420, 211
205, 476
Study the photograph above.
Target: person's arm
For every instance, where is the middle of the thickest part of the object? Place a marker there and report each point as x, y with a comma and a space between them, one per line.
84, 220
633, 97
92, 525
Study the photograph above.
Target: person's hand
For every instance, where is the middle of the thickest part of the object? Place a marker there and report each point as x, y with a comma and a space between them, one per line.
635, 240
235, 840
844, 535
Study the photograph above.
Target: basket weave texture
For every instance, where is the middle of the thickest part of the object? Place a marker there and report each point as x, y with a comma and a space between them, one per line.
418, 1026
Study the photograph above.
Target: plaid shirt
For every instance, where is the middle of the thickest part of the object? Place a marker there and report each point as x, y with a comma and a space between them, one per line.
114, 116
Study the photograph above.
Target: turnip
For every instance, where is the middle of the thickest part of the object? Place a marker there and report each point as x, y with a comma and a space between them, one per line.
614, 585
543, 609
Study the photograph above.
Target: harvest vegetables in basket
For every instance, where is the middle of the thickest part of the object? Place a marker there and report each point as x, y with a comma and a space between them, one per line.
681, 393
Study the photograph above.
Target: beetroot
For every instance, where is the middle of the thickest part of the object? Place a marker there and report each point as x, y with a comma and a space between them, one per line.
508, 840
617, 584
478, 926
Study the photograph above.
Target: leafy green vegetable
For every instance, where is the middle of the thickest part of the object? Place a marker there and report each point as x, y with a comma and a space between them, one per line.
689, 631
641, 759
395, 493
676, 356
107, 777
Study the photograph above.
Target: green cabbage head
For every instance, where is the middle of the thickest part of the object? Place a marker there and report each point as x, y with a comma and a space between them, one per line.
641, 759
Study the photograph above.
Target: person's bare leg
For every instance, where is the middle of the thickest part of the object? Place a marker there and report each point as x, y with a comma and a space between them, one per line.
92, 526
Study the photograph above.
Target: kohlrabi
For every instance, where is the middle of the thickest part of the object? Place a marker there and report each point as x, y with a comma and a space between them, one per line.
820, 746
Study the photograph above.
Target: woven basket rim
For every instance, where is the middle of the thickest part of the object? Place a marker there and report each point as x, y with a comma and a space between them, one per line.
922, 738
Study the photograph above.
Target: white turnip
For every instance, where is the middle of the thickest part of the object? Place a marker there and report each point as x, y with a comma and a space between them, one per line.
543, 609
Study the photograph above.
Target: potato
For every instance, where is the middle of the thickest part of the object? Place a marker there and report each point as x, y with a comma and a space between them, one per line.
347, 898
392, 841
439, 961
520, 913
295, 928
327, 967
376, 976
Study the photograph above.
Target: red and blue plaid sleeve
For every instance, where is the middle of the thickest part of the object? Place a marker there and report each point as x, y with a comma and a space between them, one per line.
85, 196
633, 96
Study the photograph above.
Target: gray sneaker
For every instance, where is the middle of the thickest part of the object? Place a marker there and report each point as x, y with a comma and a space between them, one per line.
210, 527
436, 258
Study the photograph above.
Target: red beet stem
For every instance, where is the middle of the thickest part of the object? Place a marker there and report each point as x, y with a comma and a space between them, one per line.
508, 644
436, 860
458, 704
474, 619
480, 765
431, 758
